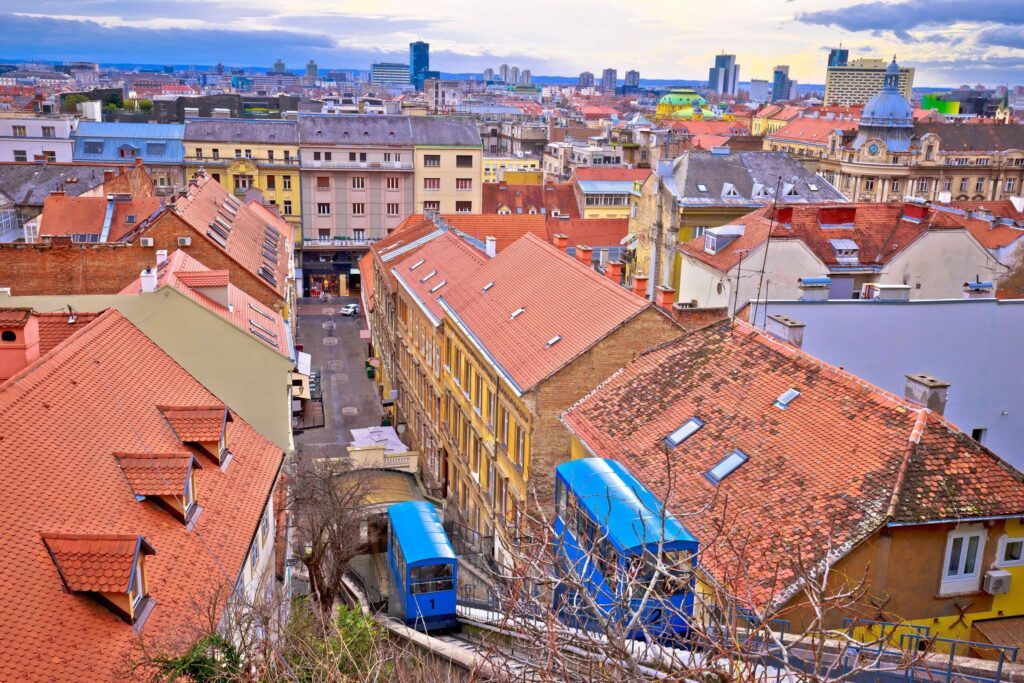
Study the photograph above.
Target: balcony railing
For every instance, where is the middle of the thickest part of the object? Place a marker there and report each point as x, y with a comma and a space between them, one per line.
223, 161
360, 165
338, 243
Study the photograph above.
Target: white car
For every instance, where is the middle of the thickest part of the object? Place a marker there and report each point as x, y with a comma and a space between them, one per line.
349, 309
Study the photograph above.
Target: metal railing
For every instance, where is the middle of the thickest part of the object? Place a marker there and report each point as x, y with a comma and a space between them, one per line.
220, 161
339, 243
359, 165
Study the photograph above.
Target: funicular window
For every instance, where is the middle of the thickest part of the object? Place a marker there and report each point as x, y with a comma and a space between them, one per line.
607, 560
432, 578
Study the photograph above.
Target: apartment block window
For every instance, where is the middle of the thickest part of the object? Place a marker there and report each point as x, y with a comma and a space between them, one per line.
979, 185
478, 391
431, 160
216, 177
351, 156
963, 184
922, 185
1011, 551
983, 161
464, 161
431, 183
929, 152
387, 156
359, 234
49, 132
287, 155
324, 233
869, 184
431, 206
316, 156
520, 447
398, 157
199, 152
286, 182
286, 207
947, 185
238, 154
362, 156
463, 207
327, 156
323, 209
216, 153
392, 208
463, 183
895, 185
19, 131
359, 209
392, 182
1011, 184
323, 182
358, 183
962, 568
20, 155
270, 155
50, 155
248, 154
271, 182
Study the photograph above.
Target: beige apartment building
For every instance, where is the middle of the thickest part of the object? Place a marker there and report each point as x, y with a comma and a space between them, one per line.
862, 79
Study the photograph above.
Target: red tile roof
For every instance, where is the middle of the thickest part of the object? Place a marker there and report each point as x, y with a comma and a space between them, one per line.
62, 477
156, 474
706, 142
594, 173
842, 460
15, 317
195, 424
727, 128
560, 297
450, 258
506, 229
591, 232
245, 242
63, 215
95, 562
527, 199
880, 230
190, 277
811, 131
56, 327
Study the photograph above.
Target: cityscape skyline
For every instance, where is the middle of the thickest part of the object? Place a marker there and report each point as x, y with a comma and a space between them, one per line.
949, 43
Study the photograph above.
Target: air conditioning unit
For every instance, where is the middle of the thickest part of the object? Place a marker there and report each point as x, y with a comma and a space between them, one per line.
997, 582
184, 241
145, 241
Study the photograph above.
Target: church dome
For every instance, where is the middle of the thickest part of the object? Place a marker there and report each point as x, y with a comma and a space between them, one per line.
889, 108
679, 98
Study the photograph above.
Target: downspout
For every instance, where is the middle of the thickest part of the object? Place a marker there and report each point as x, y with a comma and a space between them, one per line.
107, 218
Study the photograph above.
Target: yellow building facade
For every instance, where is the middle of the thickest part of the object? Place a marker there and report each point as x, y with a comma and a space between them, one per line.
448, 179
512, 170
241, 154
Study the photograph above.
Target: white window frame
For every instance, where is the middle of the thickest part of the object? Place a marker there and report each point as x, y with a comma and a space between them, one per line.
963, 583
137, 592
1004, 541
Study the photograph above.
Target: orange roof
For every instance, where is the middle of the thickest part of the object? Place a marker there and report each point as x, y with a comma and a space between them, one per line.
728, 128
62, 476
594, 173
56, 327
706, 142
591, 232
841, 461
559, 297
63, 215
156, 474
15, 317
529, 199
366, 280
95, 562
506, 229
811, 131
190, 277
196, 424
254, 230
434, 269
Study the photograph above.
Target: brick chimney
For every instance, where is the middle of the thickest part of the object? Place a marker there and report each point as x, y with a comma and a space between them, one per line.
109, 174
785, 328
929, 391
613, 271
640, 285
584, 255
19, 340
561, 241
665, 297
915, 211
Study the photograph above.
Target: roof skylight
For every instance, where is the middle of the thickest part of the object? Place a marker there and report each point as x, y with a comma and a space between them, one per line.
428, 276
726, 466
417, 264
519, 311
702, 187
488, 286
688, 429
554, 340
438, 286
788, 397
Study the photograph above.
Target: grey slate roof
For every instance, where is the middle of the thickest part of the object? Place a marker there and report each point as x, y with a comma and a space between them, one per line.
745, 179
973, 136
269, 132
29, 184
373, 129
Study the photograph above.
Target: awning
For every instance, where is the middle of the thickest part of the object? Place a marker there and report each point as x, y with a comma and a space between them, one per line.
302, 365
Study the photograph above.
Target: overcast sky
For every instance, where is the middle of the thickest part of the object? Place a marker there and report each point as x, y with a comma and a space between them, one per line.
948, 41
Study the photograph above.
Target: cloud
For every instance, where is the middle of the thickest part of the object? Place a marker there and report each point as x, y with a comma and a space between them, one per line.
901, 17
1002, 36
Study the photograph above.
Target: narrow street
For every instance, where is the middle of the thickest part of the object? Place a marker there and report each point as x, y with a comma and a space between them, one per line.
350, 399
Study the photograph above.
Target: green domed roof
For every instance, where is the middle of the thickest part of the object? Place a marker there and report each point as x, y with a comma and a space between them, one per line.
682, 97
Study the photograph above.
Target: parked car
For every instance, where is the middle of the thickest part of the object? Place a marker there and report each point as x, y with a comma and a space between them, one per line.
349, 309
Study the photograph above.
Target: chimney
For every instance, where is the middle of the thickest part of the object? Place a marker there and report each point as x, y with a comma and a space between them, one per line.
785, 328
665, 297
813, 288
979, 290
561, 241
640, 285
148, 277
928, 391
20, 345
138, 161
784, 214
584, 255
915, 211
108, 174
161, 257
614, 271
491, 246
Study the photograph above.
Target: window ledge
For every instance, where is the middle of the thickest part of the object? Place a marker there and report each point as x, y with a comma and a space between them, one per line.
958, 594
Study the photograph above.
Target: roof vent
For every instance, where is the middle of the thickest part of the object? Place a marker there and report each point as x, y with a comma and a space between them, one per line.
438, 286
428, 276
487, 286
554, 340
786, 398
516, 313
417, 265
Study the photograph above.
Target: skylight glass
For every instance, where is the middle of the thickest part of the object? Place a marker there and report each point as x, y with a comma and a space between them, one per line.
813, 187
702, 187
488, 286
428, 276
417, 264
788, 397
688, 429
515, 313
554, 340
438, 286
727, 466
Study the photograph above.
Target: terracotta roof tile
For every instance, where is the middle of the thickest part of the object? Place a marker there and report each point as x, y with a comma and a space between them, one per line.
809, 130
592, 232
156, 474
842, 460
560, 297
196, 424
94, 562
64, 215
594, 173
203, 278
526, 199
55, 327
15, 317
437, 267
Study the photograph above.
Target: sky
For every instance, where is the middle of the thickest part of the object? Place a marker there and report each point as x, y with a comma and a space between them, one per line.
949, 42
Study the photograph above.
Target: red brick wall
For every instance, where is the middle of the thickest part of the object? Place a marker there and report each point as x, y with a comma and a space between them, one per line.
550, 437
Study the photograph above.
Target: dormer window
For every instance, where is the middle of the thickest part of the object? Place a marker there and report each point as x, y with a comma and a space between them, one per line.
846, 251
111, 568
168, 479
203, 428
729, 191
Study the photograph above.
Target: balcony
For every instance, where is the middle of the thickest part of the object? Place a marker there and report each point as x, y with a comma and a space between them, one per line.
223, 161
331, 243
360, 165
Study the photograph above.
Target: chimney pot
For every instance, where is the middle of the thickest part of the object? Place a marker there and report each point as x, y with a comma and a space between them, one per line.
785, 328
584, 254
561, 241
666, 296
108, 174
931, 392
614, 271
491, 246
640, 285
148, 278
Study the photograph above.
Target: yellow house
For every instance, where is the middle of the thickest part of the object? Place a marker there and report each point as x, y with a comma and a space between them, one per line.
448, 178
771, 118
608, 192
526, 170
249, 153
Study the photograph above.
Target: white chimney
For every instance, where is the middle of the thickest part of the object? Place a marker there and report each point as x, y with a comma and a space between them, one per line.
161, 257
148, 277
929, 391
491, 246
785, 328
